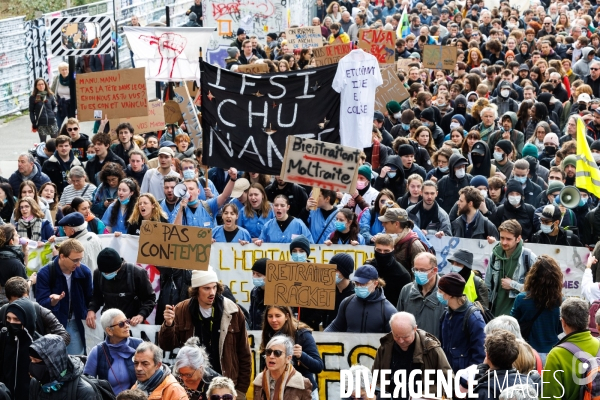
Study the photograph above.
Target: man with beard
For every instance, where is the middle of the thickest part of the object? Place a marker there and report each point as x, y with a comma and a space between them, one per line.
569, 166
388, 268
471, 224
151, 149
508, 132
75, 227
170, 204
427, 215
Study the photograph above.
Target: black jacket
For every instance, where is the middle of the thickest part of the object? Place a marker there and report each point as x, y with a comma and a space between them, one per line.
196, 10
449, 185
397, 184
257, 308
94, 165
80, 146
483, 228
58, 170
41, 113
562, 239
523, 215
313, 317
12, 260
45, 322
395, 275
174, 285
120, 151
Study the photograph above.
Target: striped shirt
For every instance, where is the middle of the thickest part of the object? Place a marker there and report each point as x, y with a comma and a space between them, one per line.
70, 193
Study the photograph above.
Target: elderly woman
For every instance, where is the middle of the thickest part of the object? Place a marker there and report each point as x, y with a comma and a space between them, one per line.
61, 88
112, 359
223, 388
193, 371
79, 187
280, 374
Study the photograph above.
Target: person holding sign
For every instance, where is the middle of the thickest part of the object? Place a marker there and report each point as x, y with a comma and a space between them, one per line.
346, 229
230, 232
279, 320
284, 227
319, 215
257, 211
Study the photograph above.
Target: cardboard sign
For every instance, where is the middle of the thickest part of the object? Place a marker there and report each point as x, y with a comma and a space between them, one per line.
325, 165
403, 64
304, 37
176, 246
192, 88
118, 94
439, 57
189, 114
331, 54
380, 43
259, 68
172, 112
392, 89
154, 121
295, 284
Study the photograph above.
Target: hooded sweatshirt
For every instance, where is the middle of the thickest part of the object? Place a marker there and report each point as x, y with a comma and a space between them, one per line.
582, 67
449, 185
396, 184
503, 303
460, 107
481, 164
436, 132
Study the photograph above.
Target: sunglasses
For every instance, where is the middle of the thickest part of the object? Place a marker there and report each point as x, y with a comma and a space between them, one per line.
224, 397
72, 129
278, 353
122, 324
594, 69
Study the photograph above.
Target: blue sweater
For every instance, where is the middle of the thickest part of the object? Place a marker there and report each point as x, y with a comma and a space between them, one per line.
462, 348
545, 329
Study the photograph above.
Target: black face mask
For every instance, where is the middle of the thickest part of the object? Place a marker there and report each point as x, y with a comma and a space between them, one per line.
384, 260
40, 372
550, 150
477, 159
15, 329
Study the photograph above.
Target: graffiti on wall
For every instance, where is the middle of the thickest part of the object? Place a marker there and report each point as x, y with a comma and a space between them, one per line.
37, 54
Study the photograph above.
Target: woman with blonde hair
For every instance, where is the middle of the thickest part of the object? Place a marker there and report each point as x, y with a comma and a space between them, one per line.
424, 138
146, 208
221, 386
257, 211
284, 66
30, 222
334, 12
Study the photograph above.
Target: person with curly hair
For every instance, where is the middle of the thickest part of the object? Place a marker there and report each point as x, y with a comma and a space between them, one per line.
147, 208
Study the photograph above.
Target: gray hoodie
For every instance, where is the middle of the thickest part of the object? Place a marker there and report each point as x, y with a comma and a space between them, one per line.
582, 67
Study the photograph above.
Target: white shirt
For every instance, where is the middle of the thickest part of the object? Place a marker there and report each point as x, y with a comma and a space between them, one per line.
153, 182
357, 79
590, 290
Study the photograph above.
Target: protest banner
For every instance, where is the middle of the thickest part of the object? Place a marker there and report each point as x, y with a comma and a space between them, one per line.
260, 68
439, 57
293, 284
153, 122
172, 112
247, 118
118, 94
325, 165
175, 246
391, 89
403, 64
189, 114
304, 37
380, 43
331, 54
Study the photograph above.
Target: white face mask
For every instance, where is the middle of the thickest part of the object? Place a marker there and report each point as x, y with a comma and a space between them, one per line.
514, 200
454, 125
397, 116
460, 173
504, 92
483, 193
470, 104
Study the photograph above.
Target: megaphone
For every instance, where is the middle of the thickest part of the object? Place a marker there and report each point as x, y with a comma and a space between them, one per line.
569, 197
180, 190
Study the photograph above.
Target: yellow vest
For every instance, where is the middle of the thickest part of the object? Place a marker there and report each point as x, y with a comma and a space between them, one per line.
470, 289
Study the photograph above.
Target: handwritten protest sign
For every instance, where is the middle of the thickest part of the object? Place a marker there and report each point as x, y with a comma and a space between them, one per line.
439, 57
253, 69
300, 285
175, 246
189, 113
172, 112
118, 94
325, 165
331, 54
403, 64
392, 89
304, 37
380, 43
153, 122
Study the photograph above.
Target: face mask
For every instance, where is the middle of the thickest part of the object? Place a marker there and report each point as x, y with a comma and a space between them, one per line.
514, 200
383, 260
125, 202
391, 175
441, 299
456, 269
421, 278
441, 104
583, 201
258, 282
460, 173
90, 156
510, 26
15, 328
550, 150
484, 193
504, 93
299, 257
521, 179
189, 174
454, 125
546, 228
470, 104
406, 127
362, 292
360, 185
498, 156
397, 116
443, 169
109, 276
340, 226
40, 372
338, 279
193, 203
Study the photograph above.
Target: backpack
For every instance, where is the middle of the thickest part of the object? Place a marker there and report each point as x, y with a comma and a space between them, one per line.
477, 306
590, 390
102, 388
410, 243
593, 309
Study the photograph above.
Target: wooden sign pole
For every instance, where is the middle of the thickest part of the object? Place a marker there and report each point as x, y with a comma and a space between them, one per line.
205, 167
315, 195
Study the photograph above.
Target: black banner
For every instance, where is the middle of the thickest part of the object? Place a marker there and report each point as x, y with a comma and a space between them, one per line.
247, 118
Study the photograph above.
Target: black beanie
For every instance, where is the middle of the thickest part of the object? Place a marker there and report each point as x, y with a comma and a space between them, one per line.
302, 242
514, 186
260, 266
109, 260
505, 145
452, 284
405, 150
595, 145
344, 263
428, 114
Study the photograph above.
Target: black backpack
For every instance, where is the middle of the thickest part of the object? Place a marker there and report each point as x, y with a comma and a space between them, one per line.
102, 388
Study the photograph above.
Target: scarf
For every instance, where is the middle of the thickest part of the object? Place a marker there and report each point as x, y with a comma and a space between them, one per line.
122, 348
30, 229
63, 81
42, 96
375, 155
280, 383
155, 380
34, 172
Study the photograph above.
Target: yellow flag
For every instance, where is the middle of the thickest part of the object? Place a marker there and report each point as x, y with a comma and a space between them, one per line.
587, 175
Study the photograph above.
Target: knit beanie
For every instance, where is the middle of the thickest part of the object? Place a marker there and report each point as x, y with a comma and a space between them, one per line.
461, 120
344, 263
201, 278
109, 260
479, 180
365, 171
428, 114
530, 150
514, 186
569, 160
452, 284
260, 266
554, 186
393, 107
405, 150
505, 145
232, 51
302, 242
551, 137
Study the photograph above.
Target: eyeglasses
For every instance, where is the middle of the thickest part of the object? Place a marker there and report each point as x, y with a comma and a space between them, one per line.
122, 325
547, 23
268, 352
72, 129
426, 271
224, 397
188, 376
555, 81
75, 261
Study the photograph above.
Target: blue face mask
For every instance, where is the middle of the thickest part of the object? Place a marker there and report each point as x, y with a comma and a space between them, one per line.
258, 282
441, 299
53, 386
340, 226
391, 175
421, 278
362, 292
521, 179
299, 257
582, 202
444, 169
125, 202
193, 203
90, 156
338, 279
456, 269
406, 127
189, 174
109, 276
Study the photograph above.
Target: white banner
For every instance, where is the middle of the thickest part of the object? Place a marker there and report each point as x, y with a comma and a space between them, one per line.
168, 54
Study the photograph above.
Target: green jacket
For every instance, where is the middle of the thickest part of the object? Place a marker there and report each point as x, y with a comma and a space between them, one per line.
557, 378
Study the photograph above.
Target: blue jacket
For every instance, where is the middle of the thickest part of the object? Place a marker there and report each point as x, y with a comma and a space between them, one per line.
370, 315
201, 218
545, 329
321, 228
310, 362
39, 179
254, 225
219, 235
272, 234
121, 223
462, 348
368, 229
171, 215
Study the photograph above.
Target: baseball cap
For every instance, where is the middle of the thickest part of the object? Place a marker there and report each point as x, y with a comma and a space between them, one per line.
550, 212
166, 150
394, 215
364, 274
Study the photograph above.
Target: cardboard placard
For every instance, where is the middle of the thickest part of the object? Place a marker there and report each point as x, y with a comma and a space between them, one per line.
260, 68
325, 165
439, 57
118, 94
172, 112
403, 64
380, 43
175, 246
189, 114
154, 121
392, 89
304, 37
192, 88
293, 284
331, 54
